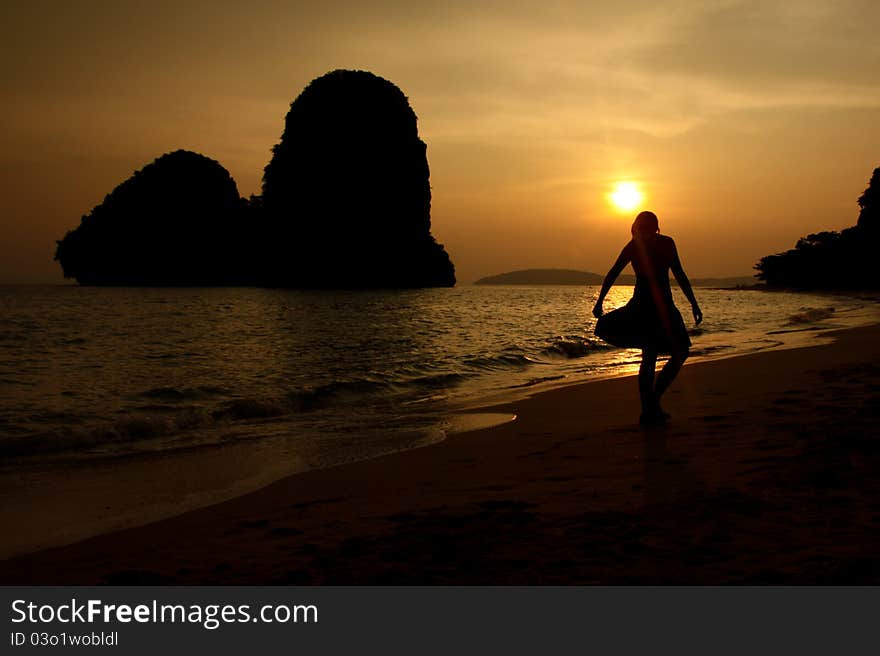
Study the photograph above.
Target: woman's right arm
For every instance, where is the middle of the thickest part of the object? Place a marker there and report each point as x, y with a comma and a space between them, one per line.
622, 260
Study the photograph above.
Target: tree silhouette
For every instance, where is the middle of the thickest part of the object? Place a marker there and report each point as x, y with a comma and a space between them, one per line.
869, 204
832, 260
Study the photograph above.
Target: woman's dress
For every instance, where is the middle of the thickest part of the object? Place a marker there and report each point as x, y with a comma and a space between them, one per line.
650, 319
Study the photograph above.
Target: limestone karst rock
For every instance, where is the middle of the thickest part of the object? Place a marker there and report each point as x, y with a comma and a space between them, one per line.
346, 203
347, 192
171, 223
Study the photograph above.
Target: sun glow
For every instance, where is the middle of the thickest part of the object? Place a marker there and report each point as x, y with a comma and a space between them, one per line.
626, 196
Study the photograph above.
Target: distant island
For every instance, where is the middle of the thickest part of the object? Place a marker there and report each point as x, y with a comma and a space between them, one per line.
845, 260
574, 277
345, 203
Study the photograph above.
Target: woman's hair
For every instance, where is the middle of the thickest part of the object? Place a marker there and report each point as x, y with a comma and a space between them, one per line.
645, 223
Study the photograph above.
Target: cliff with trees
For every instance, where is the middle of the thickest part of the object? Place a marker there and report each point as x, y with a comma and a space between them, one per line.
831, 259
347, 193
345, 203
173, 222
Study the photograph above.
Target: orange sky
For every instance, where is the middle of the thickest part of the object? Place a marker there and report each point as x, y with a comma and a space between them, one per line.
748, 124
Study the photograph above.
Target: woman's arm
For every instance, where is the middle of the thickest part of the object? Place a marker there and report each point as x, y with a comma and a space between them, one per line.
685, 284
622, 260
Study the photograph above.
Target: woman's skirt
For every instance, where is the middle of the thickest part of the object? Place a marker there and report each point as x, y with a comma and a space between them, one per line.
642, 325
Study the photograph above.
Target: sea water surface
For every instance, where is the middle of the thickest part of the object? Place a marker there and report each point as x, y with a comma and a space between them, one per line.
98, 373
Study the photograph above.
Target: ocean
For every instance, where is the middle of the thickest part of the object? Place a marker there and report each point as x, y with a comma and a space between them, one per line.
90, 374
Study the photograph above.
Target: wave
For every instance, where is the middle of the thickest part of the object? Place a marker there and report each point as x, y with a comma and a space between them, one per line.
185, 394
497, 362
537, 381
161, 420
301, 400
575, 346
126, 429
435, 381
809, 315
565, 347
709, 350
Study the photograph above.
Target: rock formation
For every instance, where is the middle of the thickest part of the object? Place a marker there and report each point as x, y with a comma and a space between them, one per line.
346, 203
347, 192
171, 223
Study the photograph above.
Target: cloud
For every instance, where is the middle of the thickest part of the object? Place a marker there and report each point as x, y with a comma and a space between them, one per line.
577, 70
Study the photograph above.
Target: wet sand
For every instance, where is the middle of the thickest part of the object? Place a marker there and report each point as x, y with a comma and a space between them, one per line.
769, 472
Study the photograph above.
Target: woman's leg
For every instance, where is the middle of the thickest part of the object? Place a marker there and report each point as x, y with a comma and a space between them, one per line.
646, 381
669, 372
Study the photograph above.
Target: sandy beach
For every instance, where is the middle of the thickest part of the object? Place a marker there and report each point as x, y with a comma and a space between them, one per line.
769, 472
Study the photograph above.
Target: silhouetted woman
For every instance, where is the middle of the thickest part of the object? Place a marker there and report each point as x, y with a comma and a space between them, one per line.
649, 321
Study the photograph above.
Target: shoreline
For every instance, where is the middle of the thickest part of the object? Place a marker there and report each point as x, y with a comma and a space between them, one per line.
65, 502
808, 336
767, 473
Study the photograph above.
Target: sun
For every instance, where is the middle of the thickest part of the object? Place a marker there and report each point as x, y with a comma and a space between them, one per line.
626, 196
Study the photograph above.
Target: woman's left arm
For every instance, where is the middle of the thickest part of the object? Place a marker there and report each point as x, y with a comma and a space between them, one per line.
685, 284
